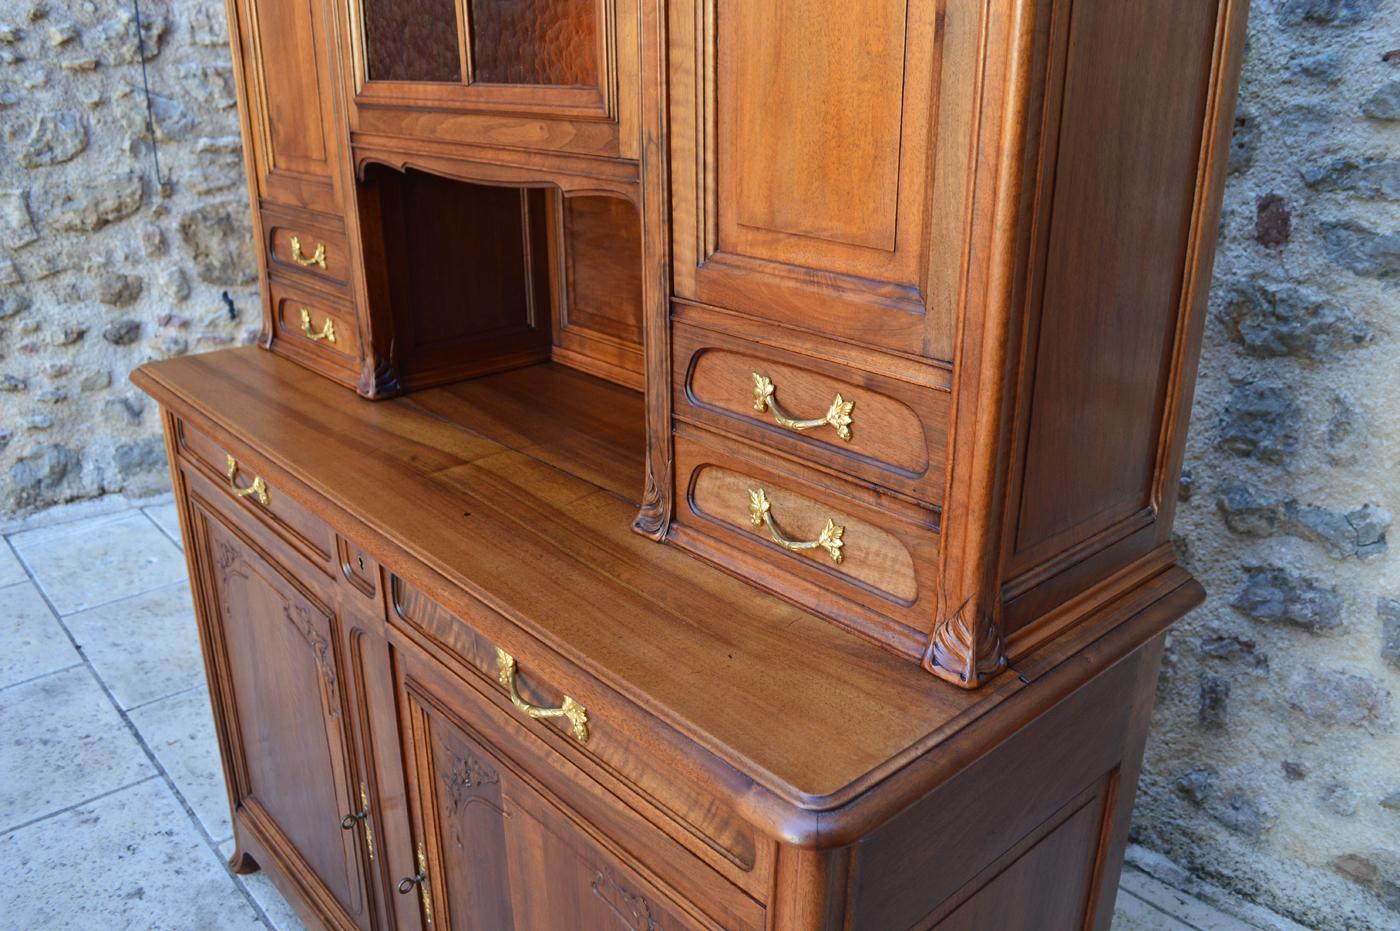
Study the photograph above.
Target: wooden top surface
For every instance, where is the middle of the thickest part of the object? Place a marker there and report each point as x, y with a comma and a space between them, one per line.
807, 711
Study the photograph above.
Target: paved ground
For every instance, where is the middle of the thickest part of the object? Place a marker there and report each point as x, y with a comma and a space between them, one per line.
112, 806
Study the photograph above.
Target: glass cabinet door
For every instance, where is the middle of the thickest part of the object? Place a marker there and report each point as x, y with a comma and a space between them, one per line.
551, 43
544, 75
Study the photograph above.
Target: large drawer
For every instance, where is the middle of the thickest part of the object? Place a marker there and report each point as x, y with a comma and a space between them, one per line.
641, 754
817, 409
472, 739
238, 473
837, 547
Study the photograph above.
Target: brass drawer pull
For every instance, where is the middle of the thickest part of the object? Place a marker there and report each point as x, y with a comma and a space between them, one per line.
761, 513
576, 713
327, 329
419, 880
257, 490
318, 258
838, 417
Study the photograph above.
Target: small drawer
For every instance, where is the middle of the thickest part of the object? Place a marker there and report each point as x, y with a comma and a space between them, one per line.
308, 324
644, 756
238, 474
834, 547
359, 569
307, 246
825, 413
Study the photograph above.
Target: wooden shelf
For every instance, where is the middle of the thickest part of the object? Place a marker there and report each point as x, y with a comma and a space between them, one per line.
580, 424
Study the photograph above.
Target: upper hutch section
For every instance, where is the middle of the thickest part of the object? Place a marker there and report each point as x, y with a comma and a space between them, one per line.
535, 76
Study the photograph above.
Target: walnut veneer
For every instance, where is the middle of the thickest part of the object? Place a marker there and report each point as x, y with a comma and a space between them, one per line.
716, 460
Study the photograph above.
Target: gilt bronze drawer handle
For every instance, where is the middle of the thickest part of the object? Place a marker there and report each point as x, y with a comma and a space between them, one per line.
257, 490
576, 713
838, 417
327, 329
761, 514
419, 880
318, 258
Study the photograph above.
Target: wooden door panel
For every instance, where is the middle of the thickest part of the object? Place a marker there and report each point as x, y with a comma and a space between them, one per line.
288, 82
283, 693
810, 197
566, 882
801, 202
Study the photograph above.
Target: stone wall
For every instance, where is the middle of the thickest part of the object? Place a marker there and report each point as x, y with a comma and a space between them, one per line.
1274, 762
1273, 767
103, 263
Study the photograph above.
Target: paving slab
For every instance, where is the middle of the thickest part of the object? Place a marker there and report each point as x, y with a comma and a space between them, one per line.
180, 732
128, 860
90, 562
32, 642
61, 744
144, 647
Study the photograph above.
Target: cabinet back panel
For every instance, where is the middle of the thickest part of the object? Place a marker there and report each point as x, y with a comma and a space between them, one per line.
465, 270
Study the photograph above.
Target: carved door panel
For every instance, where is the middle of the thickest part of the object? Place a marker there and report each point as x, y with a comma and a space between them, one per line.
288, 81
803, 183
497, 853
277, 692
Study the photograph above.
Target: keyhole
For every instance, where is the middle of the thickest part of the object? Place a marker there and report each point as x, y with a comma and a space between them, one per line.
360, 561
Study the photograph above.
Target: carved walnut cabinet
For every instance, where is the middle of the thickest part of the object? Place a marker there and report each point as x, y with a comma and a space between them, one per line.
709, 463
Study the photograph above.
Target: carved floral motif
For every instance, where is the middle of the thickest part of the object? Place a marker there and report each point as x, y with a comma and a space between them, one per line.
463, 780
631, 908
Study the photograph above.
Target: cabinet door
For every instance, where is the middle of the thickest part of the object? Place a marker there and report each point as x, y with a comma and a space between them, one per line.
284, 49
496, 852
802, 163
278, 699
546, 75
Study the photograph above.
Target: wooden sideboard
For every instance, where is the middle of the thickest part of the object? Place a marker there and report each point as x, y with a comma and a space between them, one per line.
715, 462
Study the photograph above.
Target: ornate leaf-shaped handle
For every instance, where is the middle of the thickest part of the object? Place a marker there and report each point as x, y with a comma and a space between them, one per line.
761, 515
838, 416
257, 490
327, 329
318, 258
576, 714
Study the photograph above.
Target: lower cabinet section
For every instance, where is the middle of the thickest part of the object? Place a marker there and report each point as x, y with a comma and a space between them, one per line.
387, 767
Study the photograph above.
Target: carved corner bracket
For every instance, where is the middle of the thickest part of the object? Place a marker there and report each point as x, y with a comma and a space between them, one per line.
966, 648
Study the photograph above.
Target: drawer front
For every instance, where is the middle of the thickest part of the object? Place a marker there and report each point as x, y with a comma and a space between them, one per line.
874, 427
644, 756
358, 567
567, 852
314, 327
307, 245
831, 546
237, 473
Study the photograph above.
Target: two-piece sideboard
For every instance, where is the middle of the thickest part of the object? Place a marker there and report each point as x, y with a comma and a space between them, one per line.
709, 463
